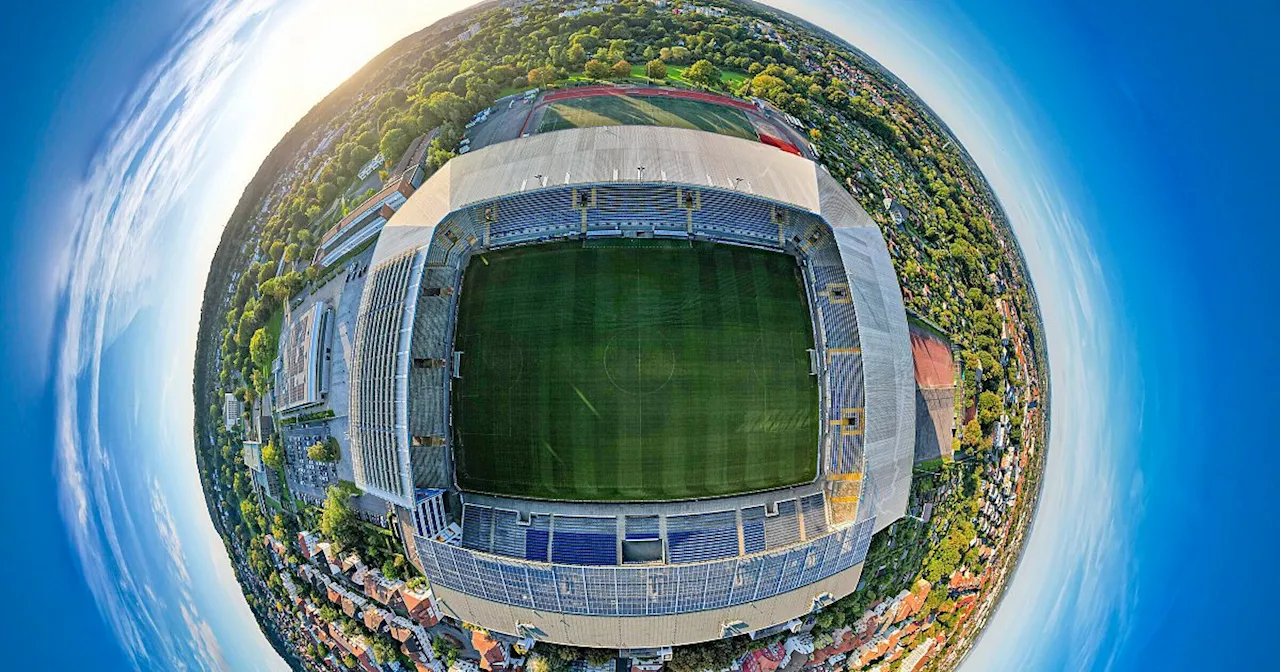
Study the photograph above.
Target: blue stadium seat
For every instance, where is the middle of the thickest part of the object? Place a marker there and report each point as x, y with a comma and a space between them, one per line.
537, 539
477, 527
814, 510
703, 536
753, 529
784, 528
508, 535
584, 541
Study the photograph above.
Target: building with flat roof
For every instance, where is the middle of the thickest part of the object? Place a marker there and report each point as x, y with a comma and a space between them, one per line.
632, 571
252, 453
367, 219
232, 408
302, 374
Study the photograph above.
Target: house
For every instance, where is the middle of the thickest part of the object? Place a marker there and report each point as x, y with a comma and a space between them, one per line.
374, 618
380, 588
421, 605
307, 544
801, 645
495, 654
464, 665
897, 211
647, 660
375, 163
767, 659
357, 647
401, 630
351, 562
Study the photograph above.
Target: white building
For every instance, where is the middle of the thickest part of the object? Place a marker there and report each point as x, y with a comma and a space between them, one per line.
429, 518
373, 164
303, 375
231, 410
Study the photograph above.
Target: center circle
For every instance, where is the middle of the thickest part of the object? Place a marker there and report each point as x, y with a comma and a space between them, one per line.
639, 362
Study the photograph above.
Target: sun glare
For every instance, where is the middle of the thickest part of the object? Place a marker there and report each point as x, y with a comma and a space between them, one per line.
318, 46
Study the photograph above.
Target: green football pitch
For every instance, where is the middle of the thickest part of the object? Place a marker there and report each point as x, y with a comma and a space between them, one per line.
618, 110
633, 370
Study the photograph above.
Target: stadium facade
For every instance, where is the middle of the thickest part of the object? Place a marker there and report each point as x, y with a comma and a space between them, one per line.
646, 573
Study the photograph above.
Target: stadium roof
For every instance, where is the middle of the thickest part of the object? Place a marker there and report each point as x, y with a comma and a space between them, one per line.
612, 154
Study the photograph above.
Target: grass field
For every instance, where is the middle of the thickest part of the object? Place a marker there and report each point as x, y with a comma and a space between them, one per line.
614, 110
633, 370
675, 74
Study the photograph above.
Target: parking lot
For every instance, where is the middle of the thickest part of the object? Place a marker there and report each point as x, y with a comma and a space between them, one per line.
305, 475
504, 123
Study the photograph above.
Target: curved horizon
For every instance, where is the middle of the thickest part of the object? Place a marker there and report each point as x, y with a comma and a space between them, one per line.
129, 198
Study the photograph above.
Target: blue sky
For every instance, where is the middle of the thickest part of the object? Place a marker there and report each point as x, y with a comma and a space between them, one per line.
1133, 150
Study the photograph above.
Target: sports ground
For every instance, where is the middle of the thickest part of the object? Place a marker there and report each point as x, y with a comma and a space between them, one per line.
650, 110
633, 370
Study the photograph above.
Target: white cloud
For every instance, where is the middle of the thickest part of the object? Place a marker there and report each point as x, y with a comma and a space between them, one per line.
1070, 585
129, 190
145, 218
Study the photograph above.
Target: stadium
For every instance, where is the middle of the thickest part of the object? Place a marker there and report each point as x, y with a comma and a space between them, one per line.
633, 386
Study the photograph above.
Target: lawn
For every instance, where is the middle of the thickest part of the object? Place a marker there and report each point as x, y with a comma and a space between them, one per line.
273, 326
675, 73
637, 370
618, 110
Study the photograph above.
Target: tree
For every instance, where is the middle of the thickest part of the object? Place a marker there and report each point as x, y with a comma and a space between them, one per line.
541, 77
272, 456
449, 106
328, 614
247, 509
325, 451
337, 520
326, 193
394, 143
445, 649
596, 70
768, 86
261, 348
383, 651
972, 436
988, 408
655, 69
702, 73
291, 251
539, 662
576, 55
621, 69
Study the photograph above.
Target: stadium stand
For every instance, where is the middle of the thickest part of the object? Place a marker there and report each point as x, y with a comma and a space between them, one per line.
375, 460
715, 559
537, 539
702, 536
477, 527
579, 540
508, 536
814, 511
783, 528
753, 529
639, 528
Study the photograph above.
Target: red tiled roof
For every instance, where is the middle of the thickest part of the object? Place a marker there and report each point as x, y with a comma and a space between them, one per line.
493, 655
